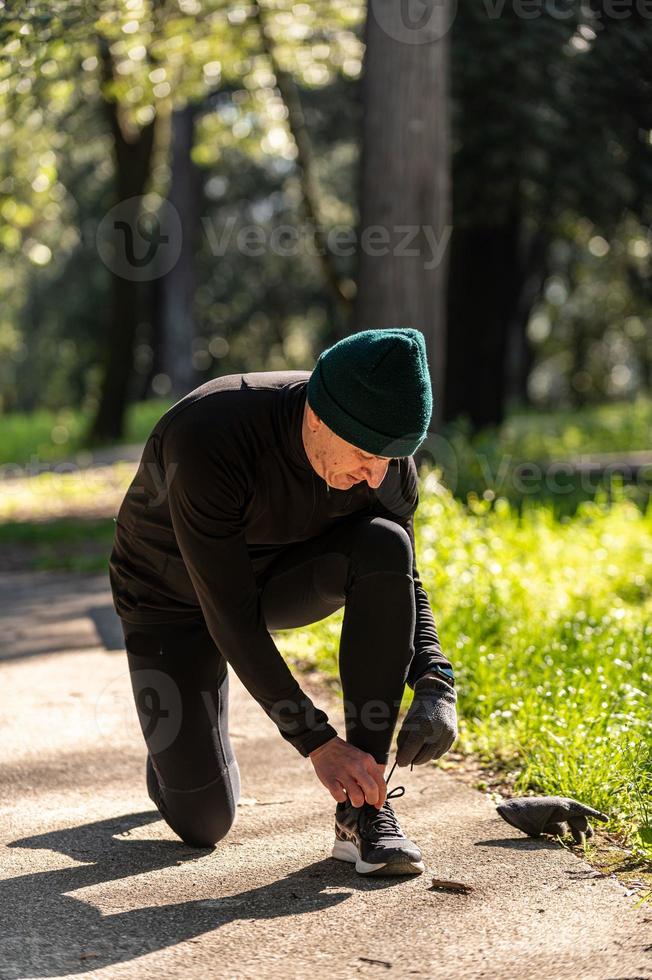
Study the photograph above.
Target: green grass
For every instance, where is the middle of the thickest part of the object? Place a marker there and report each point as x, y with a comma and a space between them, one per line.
549, 626
47, 436
610, 427
490, 462
58, 545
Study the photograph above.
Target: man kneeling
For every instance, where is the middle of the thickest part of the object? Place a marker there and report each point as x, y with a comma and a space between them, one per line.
267, 501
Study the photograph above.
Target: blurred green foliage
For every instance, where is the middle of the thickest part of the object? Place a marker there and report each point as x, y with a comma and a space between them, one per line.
562, 137
552, 204
57, 178
591, 329
618, 427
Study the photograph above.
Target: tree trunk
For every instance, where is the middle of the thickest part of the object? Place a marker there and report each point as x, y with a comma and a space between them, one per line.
178, 285
405, 178
133, 156
311, 193
520, 356
484, 291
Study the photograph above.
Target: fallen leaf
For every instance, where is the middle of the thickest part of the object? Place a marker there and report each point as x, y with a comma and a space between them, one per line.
273, 802
451, 886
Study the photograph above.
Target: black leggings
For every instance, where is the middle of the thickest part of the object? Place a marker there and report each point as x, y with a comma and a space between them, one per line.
180, 681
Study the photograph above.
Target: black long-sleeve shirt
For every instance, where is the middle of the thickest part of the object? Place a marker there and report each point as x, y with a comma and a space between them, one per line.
223, 485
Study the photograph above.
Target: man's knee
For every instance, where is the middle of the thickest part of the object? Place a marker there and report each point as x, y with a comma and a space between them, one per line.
202, 817
207, 829
383, 545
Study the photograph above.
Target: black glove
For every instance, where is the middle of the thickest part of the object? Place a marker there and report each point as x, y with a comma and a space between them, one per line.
430, 726
556, 815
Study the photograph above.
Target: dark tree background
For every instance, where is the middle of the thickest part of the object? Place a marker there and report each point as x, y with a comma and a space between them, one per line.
279, 133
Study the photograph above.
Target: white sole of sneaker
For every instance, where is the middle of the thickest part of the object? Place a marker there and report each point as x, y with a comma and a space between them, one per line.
344, 850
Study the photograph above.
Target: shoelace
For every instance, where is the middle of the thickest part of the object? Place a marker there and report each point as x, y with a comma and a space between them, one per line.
395, 791
384, 820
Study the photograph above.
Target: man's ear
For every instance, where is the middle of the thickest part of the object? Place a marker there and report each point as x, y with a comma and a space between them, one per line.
313, 419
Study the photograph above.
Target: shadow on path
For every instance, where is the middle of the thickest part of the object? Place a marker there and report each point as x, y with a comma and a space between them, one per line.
48, 932
63, 612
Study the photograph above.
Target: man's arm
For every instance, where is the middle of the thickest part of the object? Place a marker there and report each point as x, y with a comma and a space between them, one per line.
397, 499
206, 498
428, 653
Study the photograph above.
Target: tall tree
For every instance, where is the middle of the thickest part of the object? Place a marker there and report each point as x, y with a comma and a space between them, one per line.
133, 149
178, 285
311, 192
405, 177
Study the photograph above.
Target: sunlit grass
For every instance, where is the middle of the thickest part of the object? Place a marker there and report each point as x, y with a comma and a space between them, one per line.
611, 427
549, 626
45, 436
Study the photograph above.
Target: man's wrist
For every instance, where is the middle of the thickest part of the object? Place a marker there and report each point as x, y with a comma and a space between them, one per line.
438, 673
317, 751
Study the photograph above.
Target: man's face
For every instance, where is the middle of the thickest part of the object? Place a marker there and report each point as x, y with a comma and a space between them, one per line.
338, 462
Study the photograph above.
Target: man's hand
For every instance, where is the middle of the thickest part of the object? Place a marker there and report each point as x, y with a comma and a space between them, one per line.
430, 726
349, 772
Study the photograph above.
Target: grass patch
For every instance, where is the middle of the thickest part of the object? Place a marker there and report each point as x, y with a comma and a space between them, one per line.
549, 625
59, 545
47, 436
611, 427
492, 461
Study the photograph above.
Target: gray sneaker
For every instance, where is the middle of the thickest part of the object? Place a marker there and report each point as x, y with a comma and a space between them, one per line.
373, 840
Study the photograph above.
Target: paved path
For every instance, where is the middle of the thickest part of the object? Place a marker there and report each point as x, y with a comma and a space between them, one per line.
94, 884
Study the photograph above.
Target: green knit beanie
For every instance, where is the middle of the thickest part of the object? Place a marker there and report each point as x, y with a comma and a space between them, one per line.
373, 390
